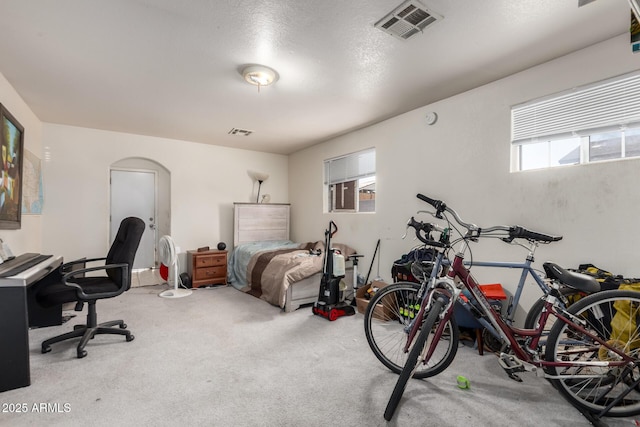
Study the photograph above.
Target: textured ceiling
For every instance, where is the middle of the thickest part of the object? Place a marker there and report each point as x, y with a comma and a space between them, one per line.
170, 68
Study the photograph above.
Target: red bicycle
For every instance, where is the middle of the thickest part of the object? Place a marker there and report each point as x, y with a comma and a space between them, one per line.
591, 353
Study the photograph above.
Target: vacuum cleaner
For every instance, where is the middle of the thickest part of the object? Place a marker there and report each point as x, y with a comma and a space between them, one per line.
331, 304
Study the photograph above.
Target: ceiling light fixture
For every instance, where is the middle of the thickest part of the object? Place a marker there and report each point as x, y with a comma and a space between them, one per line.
259, 75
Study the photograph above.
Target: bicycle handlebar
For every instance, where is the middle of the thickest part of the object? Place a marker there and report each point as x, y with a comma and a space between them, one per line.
514, 231
438, 204
520, 232
442, 207
423, 232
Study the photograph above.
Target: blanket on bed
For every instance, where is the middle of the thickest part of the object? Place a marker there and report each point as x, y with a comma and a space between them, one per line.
270, 272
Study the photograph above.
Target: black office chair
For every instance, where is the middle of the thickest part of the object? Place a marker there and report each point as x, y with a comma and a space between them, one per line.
76, 287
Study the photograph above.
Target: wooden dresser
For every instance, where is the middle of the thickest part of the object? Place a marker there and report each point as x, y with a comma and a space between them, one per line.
207, 267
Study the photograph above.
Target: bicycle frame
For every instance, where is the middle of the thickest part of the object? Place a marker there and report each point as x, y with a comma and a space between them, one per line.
527, 270
526, 353
526, 267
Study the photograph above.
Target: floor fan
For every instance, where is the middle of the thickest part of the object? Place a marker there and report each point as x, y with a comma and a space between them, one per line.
169, 266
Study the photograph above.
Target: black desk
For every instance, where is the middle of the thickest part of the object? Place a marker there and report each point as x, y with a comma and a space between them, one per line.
18, 311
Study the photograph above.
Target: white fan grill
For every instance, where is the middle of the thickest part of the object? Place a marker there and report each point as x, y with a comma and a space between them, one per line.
169, 257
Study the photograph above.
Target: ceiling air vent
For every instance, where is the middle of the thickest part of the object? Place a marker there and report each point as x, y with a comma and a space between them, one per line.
407, 20
242, 132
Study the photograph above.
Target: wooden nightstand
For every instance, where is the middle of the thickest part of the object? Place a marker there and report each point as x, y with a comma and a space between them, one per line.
207, 268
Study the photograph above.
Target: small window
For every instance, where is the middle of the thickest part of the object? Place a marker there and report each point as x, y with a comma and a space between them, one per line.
350, 182
587, 124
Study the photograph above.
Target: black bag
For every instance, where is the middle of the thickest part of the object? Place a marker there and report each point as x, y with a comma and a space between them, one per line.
402, 268
606, 279
607, 282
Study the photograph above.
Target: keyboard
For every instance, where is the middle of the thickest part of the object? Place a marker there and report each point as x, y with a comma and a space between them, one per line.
21, 263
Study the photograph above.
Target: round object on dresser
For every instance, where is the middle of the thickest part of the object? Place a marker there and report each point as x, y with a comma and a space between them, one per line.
222, 246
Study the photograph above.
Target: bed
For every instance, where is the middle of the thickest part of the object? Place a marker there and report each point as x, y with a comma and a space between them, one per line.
266, 264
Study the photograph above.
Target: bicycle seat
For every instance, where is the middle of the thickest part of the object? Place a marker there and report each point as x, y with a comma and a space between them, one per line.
578, 281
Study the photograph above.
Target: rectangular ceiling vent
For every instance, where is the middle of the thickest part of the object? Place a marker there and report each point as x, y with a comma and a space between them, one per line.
407, 20
241, 132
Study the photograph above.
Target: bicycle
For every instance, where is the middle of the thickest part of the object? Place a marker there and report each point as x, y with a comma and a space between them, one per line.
591, 355
386, 330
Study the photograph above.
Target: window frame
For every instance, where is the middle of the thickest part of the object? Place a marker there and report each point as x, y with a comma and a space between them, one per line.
585, 151
611, 105
349, 168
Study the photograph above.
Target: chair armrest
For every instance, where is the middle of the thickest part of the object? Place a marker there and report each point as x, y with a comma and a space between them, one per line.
65, 268
124, 278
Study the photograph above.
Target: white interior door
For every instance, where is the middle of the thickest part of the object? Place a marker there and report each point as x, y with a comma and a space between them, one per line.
133, 193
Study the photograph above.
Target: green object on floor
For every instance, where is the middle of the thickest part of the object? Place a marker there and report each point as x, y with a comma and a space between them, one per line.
463, 383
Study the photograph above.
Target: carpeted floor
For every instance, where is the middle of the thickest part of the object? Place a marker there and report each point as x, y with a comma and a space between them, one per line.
220, 357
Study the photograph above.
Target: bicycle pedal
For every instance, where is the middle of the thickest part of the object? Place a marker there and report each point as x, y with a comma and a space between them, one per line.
511, 365
509, 361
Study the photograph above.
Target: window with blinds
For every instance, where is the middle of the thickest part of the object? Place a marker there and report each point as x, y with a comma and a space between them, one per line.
350, 182
591, 123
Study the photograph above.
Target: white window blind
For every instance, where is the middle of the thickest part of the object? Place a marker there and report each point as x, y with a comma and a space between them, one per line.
350, 167
606, 105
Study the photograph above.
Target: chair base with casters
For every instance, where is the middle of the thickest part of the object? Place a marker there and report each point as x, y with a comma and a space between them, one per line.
88, 331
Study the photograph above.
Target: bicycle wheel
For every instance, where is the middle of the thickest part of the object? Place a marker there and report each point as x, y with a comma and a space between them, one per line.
591, 384
416, 356
386, 326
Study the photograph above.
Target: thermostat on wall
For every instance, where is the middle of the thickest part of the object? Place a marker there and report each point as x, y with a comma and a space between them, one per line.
431, 118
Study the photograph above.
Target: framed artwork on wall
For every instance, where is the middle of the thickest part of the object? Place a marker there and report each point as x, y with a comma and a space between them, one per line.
12, 144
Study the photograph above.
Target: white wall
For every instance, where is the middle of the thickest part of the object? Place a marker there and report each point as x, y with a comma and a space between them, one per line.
205, 182
464, 160
27, 239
